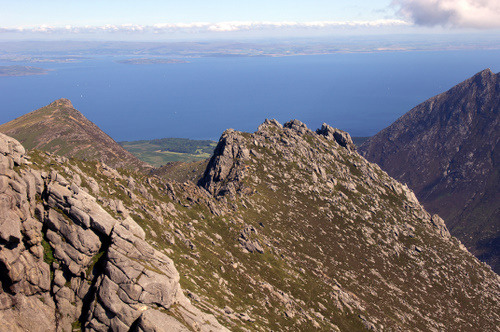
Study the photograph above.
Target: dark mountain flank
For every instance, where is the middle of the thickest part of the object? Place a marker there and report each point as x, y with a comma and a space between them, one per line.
447, 150
61, 129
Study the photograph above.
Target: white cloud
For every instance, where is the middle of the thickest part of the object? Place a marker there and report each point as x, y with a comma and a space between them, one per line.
202, 27
483, 14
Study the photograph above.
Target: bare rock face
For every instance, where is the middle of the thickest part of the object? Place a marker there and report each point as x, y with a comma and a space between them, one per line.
341, 137
297, 126
447, 150
225, 165
136, 279
66, 262
11, 148
25, 304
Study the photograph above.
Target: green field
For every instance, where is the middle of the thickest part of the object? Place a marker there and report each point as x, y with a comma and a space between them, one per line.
161, 151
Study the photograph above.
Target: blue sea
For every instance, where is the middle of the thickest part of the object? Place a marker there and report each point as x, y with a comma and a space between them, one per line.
361, 93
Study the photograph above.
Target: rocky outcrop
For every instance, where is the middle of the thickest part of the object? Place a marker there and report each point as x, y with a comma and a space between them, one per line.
140, 286
226, 165
25, 303
65, 262
447, 150
341, 137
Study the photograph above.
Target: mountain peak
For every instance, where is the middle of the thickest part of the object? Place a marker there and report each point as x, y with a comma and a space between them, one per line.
485, 71
483, 76
62, 102
61, 129
341, 137
297, 126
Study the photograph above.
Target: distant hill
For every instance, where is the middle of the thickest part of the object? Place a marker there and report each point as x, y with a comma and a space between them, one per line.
447, 150
61, 129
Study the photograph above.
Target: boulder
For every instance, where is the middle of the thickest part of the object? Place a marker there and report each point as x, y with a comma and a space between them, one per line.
12, 148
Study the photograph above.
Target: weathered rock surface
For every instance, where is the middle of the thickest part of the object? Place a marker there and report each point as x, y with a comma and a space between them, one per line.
341, 137
66, 262
224, 168
447, 150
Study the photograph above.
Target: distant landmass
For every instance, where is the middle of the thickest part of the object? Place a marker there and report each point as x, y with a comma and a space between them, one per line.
42, 59
149, 61
21, 71
40, 50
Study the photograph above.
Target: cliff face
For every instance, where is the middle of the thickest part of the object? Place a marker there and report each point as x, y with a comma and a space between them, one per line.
447, 150
290, 229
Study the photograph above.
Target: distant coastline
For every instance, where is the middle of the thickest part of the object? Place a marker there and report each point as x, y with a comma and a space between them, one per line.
22, 71
149, 61
42, 59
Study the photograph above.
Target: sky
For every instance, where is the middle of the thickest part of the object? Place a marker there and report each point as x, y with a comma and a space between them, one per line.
160, 19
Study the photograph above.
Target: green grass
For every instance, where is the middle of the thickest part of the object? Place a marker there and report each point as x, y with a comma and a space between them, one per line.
169, 150
95, 259
48, 252
76, 326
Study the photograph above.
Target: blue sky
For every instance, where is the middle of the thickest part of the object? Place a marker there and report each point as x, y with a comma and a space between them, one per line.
156, 19
149, 12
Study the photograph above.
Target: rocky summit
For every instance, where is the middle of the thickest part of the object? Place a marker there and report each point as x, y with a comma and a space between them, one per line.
59, 128
289, 229
447, 150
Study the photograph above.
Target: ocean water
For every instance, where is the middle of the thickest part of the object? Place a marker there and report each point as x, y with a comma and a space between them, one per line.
359, 93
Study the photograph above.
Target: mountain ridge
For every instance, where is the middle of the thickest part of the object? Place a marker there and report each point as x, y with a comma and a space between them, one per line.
289, 229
